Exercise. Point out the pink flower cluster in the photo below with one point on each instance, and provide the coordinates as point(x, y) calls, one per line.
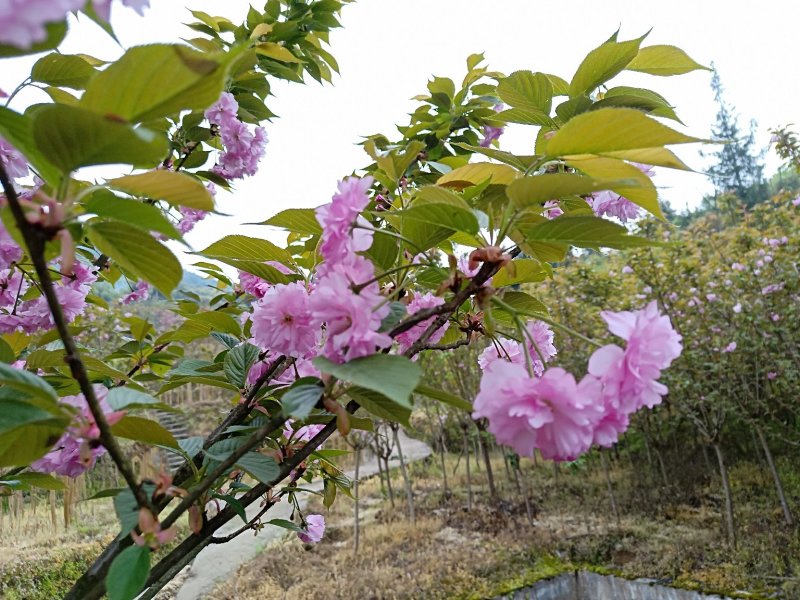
point(192, 216)
point(31, 315)
point(611, 204)
point(12, 160)
point(22, 22)
point(244, 147)
point(77, 450)
point(338, 315)
point(303, 434)
point(406, 339)
point(539, 339)
point(139, 293)
point(562, 417)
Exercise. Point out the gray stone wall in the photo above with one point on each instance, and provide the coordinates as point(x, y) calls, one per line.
point(585, 585)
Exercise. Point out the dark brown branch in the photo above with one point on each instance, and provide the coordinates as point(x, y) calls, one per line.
point(35, 239)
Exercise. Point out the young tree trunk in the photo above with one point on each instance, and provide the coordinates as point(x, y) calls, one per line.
point(380, 474)
point(662, 467)
point(406, 480)
point(726, 488)
point(388, 480)
point(487, 461)
point(477, 446)
point(355, 495)
point(612, 499)
point(469, 475)
point(787, 514)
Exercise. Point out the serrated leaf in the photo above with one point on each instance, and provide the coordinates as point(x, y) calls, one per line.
point(63, 70)
point(148, 217)
point(238, 361)
point(526, 90)
point(297, 220)
point(603, 63)
point(260, 467)
point(28, 383)
point(663, 60)
point(299, 401)
point(240, 247)
point(584, 232)
point(70, 137)
point(520, 270)
point(178, 189)
point(437, 205)
point(128, 573)
point(475, 173)
point(535, 191)
point(445, 397)
point(523, 303)
point(612, 130)
point(143, 430)
point(154, 81)
point(138, 252)
point(27, 431)
point(393, 376)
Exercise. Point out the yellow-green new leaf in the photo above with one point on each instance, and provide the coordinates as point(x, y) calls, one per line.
point(664, 60)
point(176, 188)
point(536, 190)
point(241, 247)
point(276, 52)
point(154, 81)
point(439, 206)
point(137, 252)
point(612, 130)
point(642, 192)
point(143, 430)
point(476, 173)
point(63, 70)
point(584, 232)
point(526, 90)
point(601, 64)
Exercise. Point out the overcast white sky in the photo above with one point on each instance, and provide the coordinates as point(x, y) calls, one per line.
point(388, 49)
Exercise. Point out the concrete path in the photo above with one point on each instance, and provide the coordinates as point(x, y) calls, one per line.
point(218, 562)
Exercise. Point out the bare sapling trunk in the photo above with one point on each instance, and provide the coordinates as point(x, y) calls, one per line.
point(787, 513)
point(611, 498)
point(487, 462)
point(389, 487)
point(442, 450)
point(726, 488)
point(469, 474)
point(356, 528)
point(406, 480)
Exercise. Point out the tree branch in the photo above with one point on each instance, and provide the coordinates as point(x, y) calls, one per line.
point(35, 239)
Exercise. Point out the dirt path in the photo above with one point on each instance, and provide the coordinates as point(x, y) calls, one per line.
point(216, 563)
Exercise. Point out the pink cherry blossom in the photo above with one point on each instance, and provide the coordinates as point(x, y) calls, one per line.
point(551, 209)
point(139, 293)
point(303, 434)
point(339, 236)
point(420, 302)
point(12, 160)
point(10, 252)
point(254, 285)
point(552, 413)
point(314, 529)
point(22, 22)
point(77, 451)
point(189, 218)
point(244, 147)
point(283, 322)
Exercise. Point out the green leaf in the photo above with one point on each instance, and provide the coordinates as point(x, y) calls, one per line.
point(217, 321)
point(39, 480)
point(300, 400)
point(297, 220)
point(475, 173)
point(534, 191)
point(28, 432)
point(56, 32)
point(664, 61)
point(7, 354)
point(28, 383)
point(525, 116)
point(601, 64)
point(643, 192)
point(379, 405)
point(238, 362)
point(445, 397)
point(127, 509)
point(241, 247)
point(178, 189)
point(276, 52)
point(437, 205)
point(154, 81)
point(393, 376)
point(658, 157)
point(137, 252)
point(520, 163)
point(70, 137)
point(124, 398)
point(611, 130)
point(105, 204)
point(286, 524)
point(260, 467)
point(526, 90)
point(646, 100)
point(234, 504)
point(584, 232)
point(18, 131)
point(143, 430)
point(63, 70)
point(128, 573)
point(523, 303)
point(520, 270)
